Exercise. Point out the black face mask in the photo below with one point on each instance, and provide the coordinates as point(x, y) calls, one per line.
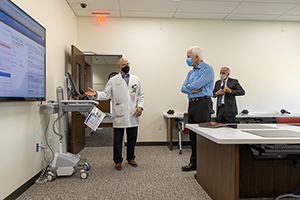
point(125, 69)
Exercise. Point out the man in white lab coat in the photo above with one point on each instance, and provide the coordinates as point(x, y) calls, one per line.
point(127, 95)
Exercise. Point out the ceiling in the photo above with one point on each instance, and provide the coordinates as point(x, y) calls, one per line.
point(268, 10)
point(97, 59)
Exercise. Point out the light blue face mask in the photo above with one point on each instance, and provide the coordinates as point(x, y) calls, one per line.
point(189, 62)
point(222, 77)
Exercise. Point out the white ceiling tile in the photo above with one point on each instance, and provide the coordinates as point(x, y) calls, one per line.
point(148, 5)
point(216, 0)
point(111, 59)
point(273, 1)
point(294, 11)
point(263, 8)
point(99, 60)
point(193, 9)
point(250, 17)
point(207, 6)
point(147, 14)
point(95, 4)
point(199, 16)
point(288, 18)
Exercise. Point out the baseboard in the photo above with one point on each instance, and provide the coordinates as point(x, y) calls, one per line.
point(158, 143)
point(182, 143)
point(150, 143)
point(23, 188)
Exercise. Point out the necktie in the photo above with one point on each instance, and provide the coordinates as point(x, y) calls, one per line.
point(126, 78)
point(221, 96)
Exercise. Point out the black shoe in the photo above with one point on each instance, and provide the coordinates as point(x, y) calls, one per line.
point(189, 167)
point(195, 176)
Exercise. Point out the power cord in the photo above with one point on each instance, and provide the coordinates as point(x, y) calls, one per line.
point(45, 155)
point(293, 195)
point(46, 130)
point(39, 181)
point(294, 165)
point(45, 135)
point(56, 122)
point(288, 195)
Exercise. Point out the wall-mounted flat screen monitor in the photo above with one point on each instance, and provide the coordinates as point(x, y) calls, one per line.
point(22, 55)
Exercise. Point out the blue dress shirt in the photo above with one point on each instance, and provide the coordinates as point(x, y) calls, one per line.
point(126, 77)
point(200, 77)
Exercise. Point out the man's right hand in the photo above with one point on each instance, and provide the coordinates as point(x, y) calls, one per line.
point(91, 92)
point(220, 92)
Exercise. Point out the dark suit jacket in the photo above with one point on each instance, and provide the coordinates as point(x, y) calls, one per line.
point(230, 101)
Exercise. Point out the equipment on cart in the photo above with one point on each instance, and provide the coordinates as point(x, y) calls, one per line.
point(65, 163)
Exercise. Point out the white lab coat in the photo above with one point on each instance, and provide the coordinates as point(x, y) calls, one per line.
point(124, 100)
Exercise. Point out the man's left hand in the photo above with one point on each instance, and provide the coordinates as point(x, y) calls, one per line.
point(138, 112)
point(195, 91)
point(227, 89)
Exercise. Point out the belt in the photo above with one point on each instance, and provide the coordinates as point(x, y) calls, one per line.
point(198, 98)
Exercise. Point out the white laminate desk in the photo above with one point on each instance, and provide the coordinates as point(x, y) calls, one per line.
point(227, 170)
point(265, 118)
point(226, 135)
point(170, 119)
point(262, 115)
point(254, 117)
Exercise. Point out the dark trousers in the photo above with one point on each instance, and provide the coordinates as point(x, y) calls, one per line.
point(198, 112)
point(118, 143)
point(222, 116)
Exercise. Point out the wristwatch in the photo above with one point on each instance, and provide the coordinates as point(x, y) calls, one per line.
point(95, 96)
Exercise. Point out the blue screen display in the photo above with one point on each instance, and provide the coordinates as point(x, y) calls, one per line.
point(22, 55)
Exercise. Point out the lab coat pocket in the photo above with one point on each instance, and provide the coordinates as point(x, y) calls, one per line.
point(136, 119)
point(119, 110)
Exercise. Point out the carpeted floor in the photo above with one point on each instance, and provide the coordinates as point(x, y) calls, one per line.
point(158, 176)
point(100, 138)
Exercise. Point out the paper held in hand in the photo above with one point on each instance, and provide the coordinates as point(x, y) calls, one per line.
point(94, 119)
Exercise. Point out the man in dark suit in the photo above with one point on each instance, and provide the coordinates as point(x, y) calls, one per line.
point(226, 89)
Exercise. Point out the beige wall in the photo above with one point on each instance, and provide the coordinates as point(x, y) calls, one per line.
point(23, 123)
point(100, 75)
point(264, 56)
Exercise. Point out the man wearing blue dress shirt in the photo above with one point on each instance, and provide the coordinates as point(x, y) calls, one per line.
point(198, 85)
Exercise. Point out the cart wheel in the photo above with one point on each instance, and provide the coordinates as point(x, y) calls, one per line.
point(51, 176)
point(86, 166)
point(84, 174)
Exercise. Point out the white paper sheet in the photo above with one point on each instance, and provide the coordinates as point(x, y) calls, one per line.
point(94, 119)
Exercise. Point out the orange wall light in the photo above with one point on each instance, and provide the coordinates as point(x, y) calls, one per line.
point(101, 18)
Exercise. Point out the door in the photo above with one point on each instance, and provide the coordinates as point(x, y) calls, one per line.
point(81, 74)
